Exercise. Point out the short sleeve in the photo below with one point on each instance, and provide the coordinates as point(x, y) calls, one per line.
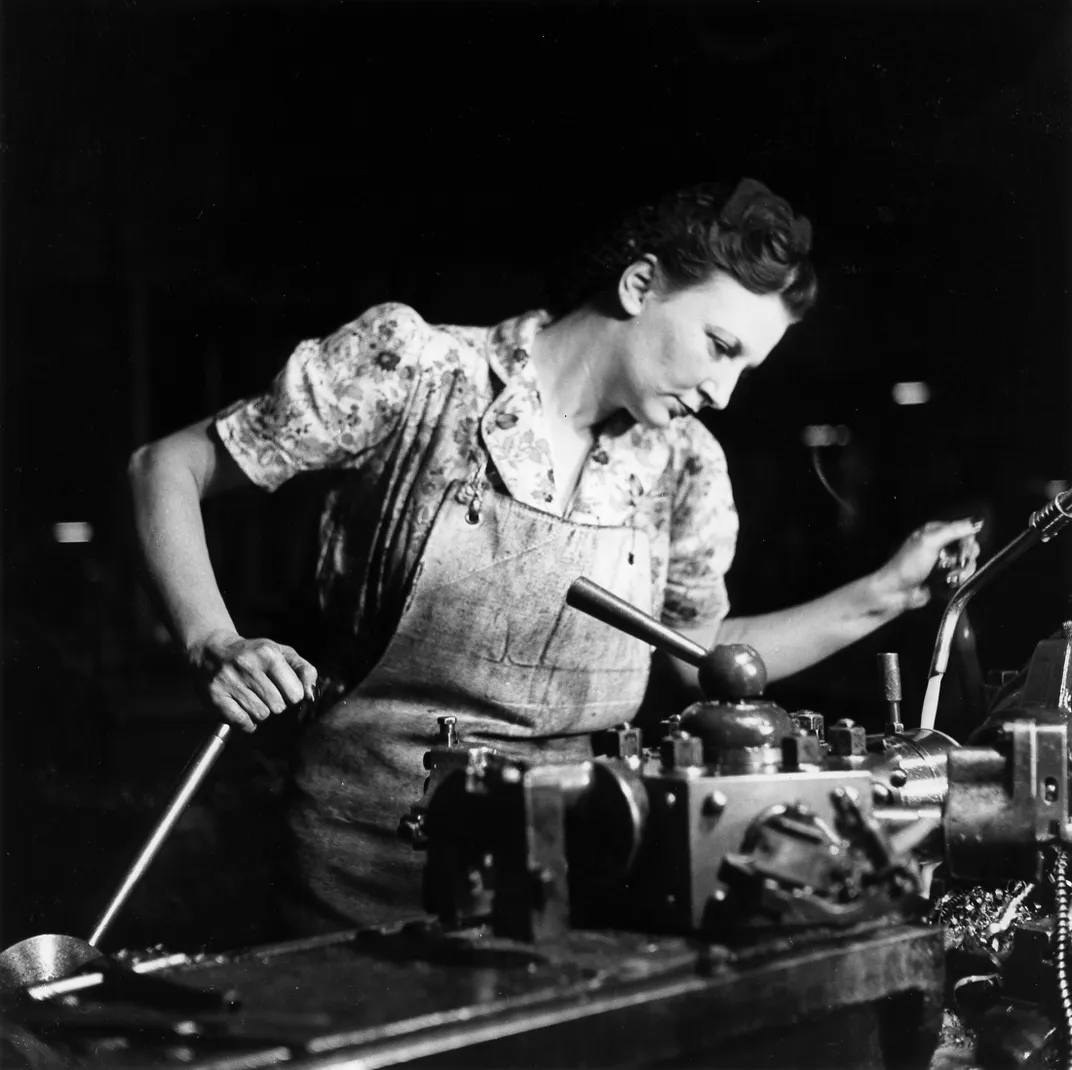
point(334, 400)
point(703, 534)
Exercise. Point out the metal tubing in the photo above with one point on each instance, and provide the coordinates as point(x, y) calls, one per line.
point(199, 767)
point(598, 602)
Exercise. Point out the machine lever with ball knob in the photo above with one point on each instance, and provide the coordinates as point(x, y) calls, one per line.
point(733, 672)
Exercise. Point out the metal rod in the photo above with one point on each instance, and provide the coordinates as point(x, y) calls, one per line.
point(899, 816)
point(199, 767)
point(598, 602)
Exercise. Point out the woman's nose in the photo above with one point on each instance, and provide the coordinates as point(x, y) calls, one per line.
point(717, 393)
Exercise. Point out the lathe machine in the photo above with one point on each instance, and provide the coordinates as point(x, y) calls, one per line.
point(750, 887)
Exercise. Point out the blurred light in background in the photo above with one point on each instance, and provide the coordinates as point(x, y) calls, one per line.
point(825, 435)
point(911, 393)
point(1055, 487)
point(73, 531)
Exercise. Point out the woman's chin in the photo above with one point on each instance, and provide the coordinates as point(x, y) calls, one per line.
point(656, 414)
point(656, 420)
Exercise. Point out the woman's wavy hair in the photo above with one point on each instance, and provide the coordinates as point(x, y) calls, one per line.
point(744, 230)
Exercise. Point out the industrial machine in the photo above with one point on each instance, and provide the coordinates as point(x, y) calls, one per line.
point(751, 886)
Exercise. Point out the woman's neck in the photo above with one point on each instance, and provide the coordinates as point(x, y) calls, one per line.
point(573, 361)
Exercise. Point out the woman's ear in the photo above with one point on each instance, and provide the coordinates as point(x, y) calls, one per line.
point(636, 284)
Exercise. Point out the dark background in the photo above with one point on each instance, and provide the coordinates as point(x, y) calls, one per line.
point(191, 188)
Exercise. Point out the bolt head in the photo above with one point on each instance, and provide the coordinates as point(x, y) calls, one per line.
point(801, 750)
point(679, 750)
point(847, 739)
point(810, 723)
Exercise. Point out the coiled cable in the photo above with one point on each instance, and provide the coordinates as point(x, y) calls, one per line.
point(1061, 952)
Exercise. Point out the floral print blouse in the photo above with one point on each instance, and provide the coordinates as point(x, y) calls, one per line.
point(409, 413)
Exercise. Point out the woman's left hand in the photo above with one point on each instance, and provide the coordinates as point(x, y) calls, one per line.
point(902, 581)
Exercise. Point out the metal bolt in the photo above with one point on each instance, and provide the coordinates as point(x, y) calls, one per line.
point(623, 741)
point(799, 751)
point(671, 724)
point(810, 723)
point(714, 804)
point(669, 799)
point(898, 778)
point(448, 734)
point(679, 750)
point(847, 738)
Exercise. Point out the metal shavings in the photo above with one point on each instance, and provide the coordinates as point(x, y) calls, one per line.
point(981, 917)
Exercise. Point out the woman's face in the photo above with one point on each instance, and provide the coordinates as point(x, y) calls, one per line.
point(686, 350)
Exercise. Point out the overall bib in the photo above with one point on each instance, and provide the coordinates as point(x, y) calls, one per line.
point(485, 635)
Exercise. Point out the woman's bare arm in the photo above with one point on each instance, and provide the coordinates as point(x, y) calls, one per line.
point(243, 680)
point(796, 638)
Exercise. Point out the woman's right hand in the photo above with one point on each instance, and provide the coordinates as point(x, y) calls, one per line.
point(246, 680)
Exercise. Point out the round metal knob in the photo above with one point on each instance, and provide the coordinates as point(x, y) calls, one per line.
point(732, 673)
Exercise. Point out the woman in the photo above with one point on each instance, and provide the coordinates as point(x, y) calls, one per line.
point(482, 471)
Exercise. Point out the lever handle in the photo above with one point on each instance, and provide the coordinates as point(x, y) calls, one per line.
point(598, 602)
point(203, 760)
point(890, 666)
point(734, 672)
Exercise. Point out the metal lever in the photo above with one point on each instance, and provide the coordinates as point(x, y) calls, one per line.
point(890, 666)
point(1041, 527)
point(734, 672)
point(203, 761)
point(598, 602)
